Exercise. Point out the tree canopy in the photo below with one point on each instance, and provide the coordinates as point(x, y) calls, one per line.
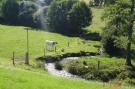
point(119, 28)
point(10, 11)
point(68, 16)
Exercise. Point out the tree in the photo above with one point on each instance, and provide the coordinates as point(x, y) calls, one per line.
point(68, 16)
point(48, 2)
point(26, 14)
point(130, 32)
point(119, 28)
point(79, 16)
point(10, 11)
point(108, 2)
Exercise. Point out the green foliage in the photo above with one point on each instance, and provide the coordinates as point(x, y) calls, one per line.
point(108, 2)
point(26, 15)
point(109, 68)
point(10, 11)
point(101, 2)
point(130, 81)
point(58, 66)
point(13, 38)
point(127, 74)
point(48, 2)
point(68, 16)
point(76, 68)
point(116, 29)
point(79, 16)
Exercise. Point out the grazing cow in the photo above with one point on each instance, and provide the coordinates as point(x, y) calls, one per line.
point(50, 44)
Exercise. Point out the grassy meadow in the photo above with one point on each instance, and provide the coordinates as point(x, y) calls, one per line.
point(14, 78)
point(13, 39)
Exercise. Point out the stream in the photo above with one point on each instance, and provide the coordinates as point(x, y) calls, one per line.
point(62, 73)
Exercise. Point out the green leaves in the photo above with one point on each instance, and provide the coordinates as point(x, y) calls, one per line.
point(10, 10)
point(118, 29)
point(68, 16)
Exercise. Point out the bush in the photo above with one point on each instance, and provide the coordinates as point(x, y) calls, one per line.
point(40, 64)
point(68, 16)
point(58, 66)
point(88, 70)
point(130, 81)
point(103, 75)
point(77, 68)
point(126, 74)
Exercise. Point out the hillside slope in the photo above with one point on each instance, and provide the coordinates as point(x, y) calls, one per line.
point(13, 78)
point(14, 38)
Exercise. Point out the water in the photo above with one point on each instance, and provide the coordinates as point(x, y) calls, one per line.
point(63, 73)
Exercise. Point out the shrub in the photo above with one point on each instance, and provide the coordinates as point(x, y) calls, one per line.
point(40, 64)
point(130, 81)
point(77, 68)
point(58, 66)
point(85, 63)
point(126, 74)
point(89, 70)
point(103, 75)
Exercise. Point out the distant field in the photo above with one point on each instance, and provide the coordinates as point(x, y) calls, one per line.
point(13, 78)
point(97, 23)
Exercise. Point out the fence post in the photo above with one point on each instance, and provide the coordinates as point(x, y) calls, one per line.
point(68, 44)
point(27, 58)
point(98, 66)
point(27, 53)
point(55, 48)
point(13, 59)
point(44, 51)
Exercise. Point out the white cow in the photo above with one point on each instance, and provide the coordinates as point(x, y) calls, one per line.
point(50, 44)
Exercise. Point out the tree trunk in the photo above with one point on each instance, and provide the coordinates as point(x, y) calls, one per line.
point(128, 56)
point(130, 31)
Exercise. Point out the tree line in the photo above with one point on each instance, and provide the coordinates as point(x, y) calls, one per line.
point(63, 16)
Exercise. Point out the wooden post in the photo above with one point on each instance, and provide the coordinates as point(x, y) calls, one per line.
point(13, 59)
point(98, 66)
point(27, 53)
point(44, 52)
point(68, 44)
point(27, 58)
point(55, 48)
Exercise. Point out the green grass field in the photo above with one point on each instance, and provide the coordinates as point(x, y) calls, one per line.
point(14, 78)
point(13, 38)
point(97, 23)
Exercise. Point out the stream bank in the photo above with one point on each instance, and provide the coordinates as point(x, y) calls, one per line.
point(50, 62)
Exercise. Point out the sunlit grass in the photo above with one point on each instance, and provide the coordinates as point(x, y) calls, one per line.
point(13, 78)
point(13, 38)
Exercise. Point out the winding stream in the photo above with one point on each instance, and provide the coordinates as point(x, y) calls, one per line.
point(62, 73)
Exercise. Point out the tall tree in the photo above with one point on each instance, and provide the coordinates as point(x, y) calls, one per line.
point(119, 28)
point(130, 32)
